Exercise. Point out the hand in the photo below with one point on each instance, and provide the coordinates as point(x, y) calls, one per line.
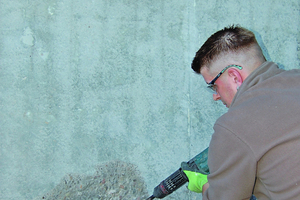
point(196, 179)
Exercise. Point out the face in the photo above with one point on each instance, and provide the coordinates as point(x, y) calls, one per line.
point(225, 85)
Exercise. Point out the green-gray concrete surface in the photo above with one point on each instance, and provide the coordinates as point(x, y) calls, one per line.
point(84, 82)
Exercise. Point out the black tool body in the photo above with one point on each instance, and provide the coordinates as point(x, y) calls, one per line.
point(178, 178)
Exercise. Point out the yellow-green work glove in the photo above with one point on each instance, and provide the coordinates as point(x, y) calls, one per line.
point(196, 180)
point(196, 171)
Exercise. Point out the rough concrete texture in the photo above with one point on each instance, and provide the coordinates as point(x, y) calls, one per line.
point(88, 82)
point(115, 180)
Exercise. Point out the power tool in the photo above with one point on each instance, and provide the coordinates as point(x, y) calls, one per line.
point(178, 178)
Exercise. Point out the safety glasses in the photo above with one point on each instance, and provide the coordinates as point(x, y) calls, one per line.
point(211, 85)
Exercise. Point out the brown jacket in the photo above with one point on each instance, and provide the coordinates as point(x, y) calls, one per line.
point(257, 142)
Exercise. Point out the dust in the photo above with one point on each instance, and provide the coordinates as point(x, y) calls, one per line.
point(115, 180)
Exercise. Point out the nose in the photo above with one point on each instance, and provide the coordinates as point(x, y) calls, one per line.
point(216, 97)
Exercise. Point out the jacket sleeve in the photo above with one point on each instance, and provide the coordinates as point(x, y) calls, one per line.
point(232, 167)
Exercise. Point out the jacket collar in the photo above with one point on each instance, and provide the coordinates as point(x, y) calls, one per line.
point(262, 73)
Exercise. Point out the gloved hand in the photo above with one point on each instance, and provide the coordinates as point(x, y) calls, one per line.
point(196, 179)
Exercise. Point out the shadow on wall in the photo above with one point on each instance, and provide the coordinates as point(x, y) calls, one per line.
point(264, 48)
point(113, 180)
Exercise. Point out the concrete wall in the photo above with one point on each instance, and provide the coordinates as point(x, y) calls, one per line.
point(87, 82)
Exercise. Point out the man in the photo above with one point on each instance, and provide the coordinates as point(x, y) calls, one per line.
point(255, 147)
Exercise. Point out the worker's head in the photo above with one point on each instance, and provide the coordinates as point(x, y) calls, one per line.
point(232, 52)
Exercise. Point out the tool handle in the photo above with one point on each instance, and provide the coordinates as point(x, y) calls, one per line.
point(178, 178)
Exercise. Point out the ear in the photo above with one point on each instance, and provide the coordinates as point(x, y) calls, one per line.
point(236, 76)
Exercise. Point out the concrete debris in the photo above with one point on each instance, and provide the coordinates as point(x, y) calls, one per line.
point(115, 180)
